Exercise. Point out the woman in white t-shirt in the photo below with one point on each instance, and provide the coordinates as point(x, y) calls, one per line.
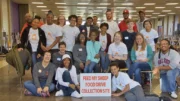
point(118, 50)
point(33, 38)
point(141, 56)
point(66, 77)
point(149, 34)
point(61, 21)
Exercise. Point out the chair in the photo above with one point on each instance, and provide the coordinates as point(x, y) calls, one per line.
point(150, 77)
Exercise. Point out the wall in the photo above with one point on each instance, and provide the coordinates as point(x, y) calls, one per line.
point(170, 24)
point(14, 17)
point(165, 25)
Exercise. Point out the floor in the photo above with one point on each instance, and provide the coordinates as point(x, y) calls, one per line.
point(11, 90)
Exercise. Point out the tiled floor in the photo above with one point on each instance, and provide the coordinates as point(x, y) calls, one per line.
point(11, 90)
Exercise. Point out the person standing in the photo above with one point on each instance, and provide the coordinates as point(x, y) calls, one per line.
point(141, 20)
point(61, 21)
point(95, 20)
point(79, 21)
point(28, 20)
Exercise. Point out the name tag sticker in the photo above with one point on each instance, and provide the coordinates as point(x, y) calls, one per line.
point(80, 49)
point(59, 59)
point(126, 38)
point(39, 71)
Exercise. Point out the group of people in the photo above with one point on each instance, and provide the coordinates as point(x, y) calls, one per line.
point(61, 52)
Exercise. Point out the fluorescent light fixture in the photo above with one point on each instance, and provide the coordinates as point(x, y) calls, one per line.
point(166, 10)
point(104, 3)
point(148, 15)
point(81, 7)
point(149, 4)
point(101, 7)
point(116, 11)
point(155, 13)
point(177, 7)
point(153, 17)
point(37, 3)
point(171, 3)
point(149, 10)
point(80, 10)
point(161, 15)
point(63, 10)
point(121, 7)
point(159, 7)
point(82, 3)
point(133, 15)
point(60, 3)
point(171, 13)
point(132, 11)
point(61, 7)
point(140, 7)
point(41, 6)
point(121, 18)
point(97, 11)
point(45, 10)
point(127, 4)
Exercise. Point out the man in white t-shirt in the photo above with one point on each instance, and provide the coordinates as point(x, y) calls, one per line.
point(113, 26)
point(130, 88)
point(52, 32)
point(70, 33)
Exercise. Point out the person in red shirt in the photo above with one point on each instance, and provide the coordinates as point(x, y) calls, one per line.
point(123, 24)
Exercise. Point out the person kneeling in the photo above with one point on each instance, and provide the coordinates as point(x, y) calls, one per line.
point(131, 89)
point(43, 73)
point(67, 79)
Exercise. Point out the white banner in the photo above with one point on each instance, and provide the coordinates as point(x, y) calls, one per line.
point(95, 84)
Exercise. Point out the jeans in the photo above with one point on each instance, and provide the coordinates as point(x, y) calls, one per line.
point(34, 60)
point(89, 68)
point(67, 78)
point(128, 61)
point(137, 94)
point(104, 59)
point(29, 85)
point(136, 69)
point(168, 80)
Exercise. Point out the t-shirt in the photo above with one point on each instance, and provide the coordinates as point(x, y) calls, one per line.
point(113, 28)
point(141, 54)
point(150, 36)
point(117, 50)
point(73, 75)
point(103, 41)
point(171, 59)
point(122, 80)
point(139, 24)
point(69, 36)
point(51, 32)
point(128, 39)
point(34, 39)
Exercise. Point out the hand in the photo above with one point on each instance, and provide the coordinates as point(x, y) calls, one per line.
point(72, 86)
point(81, 65)
point(78, 87)
point(39, 55)
point(88, 62)
point(39, 90)
point(46, 89)
point(115, 94)
point(48, 48)
point(117, 57)
point(155, 71)
point(145, 60)
point(97, 56)
point(20, 49)
point(43, 48)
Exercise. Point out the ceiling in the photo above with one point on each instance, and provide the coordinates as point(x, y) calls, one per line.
point(85, 8)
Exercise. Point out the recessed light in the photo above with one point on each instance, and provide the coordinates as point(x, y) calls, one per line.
point(159, 7)
point(161, 15)
point(132, 10)
point(82, 3)
point(149, 10)
point(104, 3)
point(171, 13)
point(155, 13)
point(166, 10)
point(37, 3)
point(60, 3)
point(101, 7)
point(149, 4)
point(81, 7)
point(140, 7)
point(127, 4)
point(41, 6)
point(45, 10)
point(177, 7)
point(121, 7)
point(61, 7)
point(171, 3)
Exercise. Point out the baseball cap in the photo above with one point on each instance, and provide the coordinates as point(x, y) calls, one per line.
point(66, 56)
point(125, 11)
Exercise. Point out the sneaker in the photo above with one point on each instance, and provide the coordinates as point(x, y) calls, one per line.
point(44, 94)
point(164, 98)
point(59, 93)
point(27, 93)
point(76, 94)
point(174, 95)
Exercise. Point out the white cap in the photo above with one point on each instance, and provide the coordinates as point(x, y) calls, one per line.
point(66, 56)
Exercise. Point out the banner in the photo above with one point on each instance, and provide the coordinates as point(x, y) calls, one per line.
point(95, 84)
